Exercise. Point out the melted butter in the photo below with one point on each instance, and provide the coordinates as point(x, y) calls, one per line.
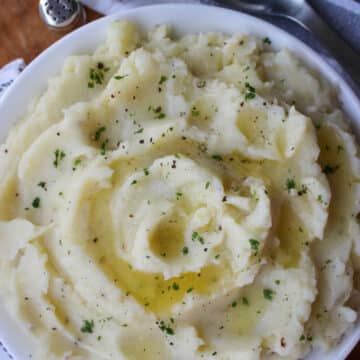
point(168, 238)
point(243, 318)
point(150, 290)
point(292, 235)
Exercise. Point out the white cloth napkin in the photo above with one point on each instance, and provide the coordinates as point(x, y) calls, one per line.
point(9, 72)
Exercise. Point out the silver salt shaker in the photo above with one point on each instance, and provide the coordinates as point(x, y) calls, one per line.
point(62, 14)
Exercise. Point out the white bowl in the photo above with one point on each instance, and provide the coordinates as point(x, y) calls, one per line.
point(185, 18)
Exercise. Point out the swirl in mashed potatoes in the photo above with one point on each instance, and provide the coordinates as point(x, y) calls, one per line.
point(191, 198)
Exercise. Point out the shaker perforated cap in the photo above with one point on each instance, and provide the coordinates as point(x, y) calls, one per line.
point(61, 14)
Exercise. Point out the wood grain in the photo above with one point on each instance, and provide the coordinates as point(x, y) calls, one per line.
point(23, 34)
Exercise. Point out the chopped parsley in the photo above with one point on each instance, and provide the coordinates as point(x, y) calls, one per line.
point(59, 156)
point(88, 326)
point(146, 171)
point(98, 133)
point(119, 77)
point(201, 84)
point(196, 237)
point(268, 294)
point(97, 75)
point(166, 328)
point(250, 92)
point(254, 244)
point(185, 250)
point(217, 157)
point(139, 131)
point(133, 182)
point(36, 203)
point(175, 286)
point(245, 301)
point(290, 184)
point(327, 170)
point(234, 304)
point(159, 114)
point(207, 184)
point(103, 147)
point(266, 40)
point(302, 337)
point(178, 195)
point(42, 184)
point(163, 78)
point(195, 113)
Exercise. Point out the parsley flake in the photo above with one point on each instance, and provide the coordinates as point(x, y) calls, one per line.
point(59, 155)
point(245, 301)
point(195, 236)
point(327, 170)
point(290, 184)
point(42, 184)
point(217, 157)
point(250, 92)
point(88, 326)
point(98, 133)
point(185, 250)
point(201, 84)
point(268, 294)
point(254, 244)
point(266, 40)
point(119, 77)
point(166, 328)
point(163, 78)
point(36, 203)
point(175, 286)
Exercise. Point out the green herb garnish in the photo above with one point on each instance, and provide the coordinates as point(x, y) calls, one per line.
point(290, 184)
point(250, 92)
point(98, 133)
point(59, 155)
point(163, 78)
point(166, 328)
point(119, 77)
point(268, 294)
point(36, 203)
point(217, 157)
point(330, 169)
point(195, 236)
point(254, 244)
point(245, 301)
point(88, 326)
point(185, 250)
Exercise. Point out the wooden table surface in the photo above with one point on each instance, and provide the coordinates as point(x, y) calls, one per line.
point(23, 34)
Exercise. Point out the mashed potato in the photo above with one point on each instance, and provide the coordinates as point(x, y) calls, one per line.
point(192, 198)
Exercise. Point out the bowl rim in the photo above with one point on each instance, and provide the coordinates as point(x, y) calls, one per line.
point(13, 107)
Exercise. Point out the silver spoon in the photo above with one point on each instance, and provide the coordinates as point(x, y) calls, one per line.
point(324, 40)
